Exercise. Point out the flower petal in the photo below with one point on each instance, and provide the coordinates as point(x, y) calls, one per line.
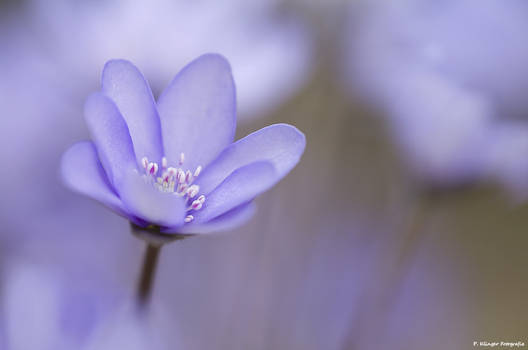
point(82, 172)
point(147, 203)
point(31, 305)
point(240, 187)
point(110, 135)
point(129, 90)
point(225, 222)
point(198, 111)
point(280, 144)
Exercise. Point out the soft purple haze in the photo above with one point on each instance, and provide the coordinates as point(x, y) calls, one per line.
point(43, 308)
point(270, 49)
point(451, 77)
point(315, 268)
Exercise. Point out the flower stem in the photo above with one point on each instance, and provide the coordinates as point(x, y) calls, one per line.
point(148, 273)
point(154, 239)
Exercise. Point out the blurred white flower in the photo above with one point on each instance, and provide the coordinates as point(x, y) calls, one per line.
point(41, 309)
point(451, 76)
point(269, 51)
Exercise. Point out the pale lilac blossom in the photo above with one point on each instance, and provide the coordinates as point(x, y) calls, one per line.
point(172, 163)
point(42, 309)
point(451, 77)
point(270, 50)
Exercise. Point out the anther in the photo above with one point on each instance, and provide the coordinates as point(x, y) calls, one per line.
point(172, 171)
point(188, 218)
point(196, 205)
point(192, 191)
point(201, 199)
point(152, 168)
point(164, 163)
point(198, 171)
point(188, 177)
point(180, 176)
point(182, 158)
point(182, 188)
point(144, 162)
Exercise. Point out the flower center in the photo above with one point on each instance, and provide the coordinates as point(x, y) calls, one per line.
point(176, 181)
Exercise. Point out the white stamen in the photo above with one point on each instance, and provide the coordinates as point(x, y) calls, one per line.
point(188, 177)
point(152, 168)
point(180, 176)
point(196, 205)
point(182, 188)
point(192, 191)
point(144, 162)
point(176, 181)
point(198, 171)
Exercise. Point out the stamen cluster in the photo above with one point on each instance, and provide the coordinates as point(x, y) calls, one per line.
point(175, 181)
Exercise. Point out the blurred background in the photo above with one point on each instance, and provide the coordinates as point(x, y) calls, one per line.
point(403, 226)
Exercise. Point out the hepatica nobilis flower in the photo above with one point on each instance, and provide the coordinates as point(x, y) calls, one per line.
point(172, 164)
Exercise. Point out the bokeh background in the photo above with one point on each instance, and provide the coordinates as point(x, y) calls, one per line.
point(403, 227)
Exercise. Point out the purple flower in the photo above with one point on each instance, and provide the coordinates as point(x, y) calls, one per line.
point(436, 70)
point(43, 308)
point(159, 36)
point(172, 163)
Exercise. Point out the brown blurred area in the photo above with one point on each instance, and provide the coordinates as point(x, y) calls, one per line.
point(352, 193)
point(353, 176)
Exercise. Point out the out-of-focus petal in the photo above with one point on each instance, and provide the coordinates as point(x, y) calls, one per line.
point(83, 173)
point(280, 144)
point(126, 328)
point(240, 187)
point(436, 70)
point(31, 316)
point(225, 222)
point(127, 87)
point(507, 156)
point(111, 138)
point(198, 111)
point(151, 205)
point(441, 126)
